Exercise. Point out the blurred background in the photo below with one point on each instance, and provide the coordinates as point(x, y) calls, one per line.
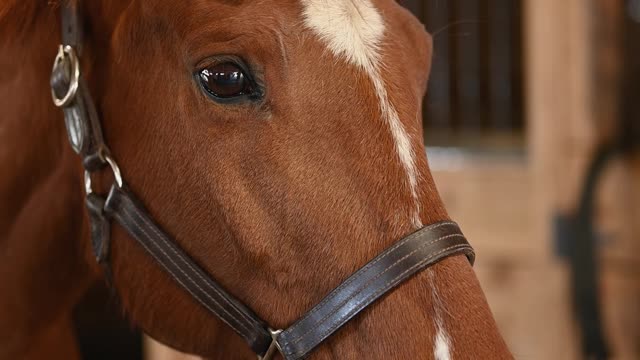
point(532, 129)
point(531, 124)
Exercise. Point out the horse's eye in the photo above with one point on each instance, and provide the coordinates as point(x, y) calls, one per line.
point(225, 80)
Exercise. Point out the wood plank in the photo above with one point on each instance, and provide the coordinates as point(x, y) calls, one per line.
point(504, 227)
point(530, 304)
point(621, 303)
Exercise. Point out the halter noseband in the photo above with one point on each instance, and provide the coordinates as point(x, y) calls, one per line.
point(396, 264)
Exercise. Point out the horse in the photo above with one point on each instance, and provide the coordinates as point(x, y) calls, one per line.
point(279, 142)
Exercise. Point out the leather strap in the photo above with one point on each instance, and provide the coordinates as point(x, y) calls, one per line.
point(122, 206)
point(81, 117)
point(100, 227)
point(407, 257)
point(394, 266)
point(71, 25)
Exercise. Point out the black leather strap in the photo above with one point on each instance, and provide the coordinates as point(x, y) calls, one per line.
point(81, 117)
point(71, 24)
point(131, 215)
point(407, 257)
point(100, 227)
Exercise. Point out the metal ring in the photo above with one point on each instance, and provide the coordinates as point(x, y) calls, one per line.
point(67, 52)
point(115, 169)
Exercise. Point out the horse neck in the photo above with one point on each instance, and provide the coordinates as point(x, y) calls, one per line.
point(41, 222)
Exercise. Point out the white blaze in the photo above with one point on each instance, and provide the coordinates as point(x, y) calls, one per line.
point(442, 342)
point(354, 30)
point(441, 347)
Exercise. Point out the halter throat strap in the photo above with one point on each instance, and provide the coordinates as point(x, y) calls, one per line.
point(381, 275)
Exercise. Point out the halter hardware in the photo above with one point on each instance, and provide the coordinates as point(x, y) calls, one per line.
point(396, 264)
point(274, 348)
point(68, 60)
point(115, 170)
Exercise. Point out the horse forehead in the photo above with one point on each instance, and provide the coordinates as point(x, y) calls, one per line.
point(353, 29)
point(350, 28)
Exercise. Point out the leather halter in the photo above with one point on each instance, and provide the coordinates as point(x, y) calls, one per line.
point(396, 264)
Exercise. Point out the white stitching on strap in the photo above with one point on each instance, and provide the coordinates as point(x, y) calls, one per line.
point(363, 270)
point(160, 235)
point(134, 221)
point(364, 286)
point(389, 284)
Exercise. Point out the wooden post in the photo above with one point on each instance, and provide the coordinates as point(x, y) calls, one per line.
point(573, 62)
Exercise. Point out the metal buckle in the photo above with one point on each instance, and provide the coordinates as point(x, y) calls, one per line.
point(114, 169)
point(67, 53)
point(274, 348)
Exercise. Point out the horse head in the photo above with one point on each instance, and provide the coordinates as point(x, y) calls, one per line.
point(280, 144)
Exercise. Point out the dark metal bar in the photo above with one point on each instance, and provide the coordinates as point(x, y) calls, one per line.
point(467, 63)
point(438, 101)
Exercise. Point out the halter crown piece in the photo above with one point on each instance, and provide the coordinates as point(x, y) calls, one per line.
point(396, 264)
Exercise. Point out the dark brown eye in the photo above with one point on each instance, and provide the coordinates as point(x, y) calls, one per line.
point(225, 80)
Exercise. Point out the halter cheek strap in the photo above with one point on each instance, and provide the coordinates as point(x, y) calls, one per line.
point(381, 275)
point(389, 269)
point(122, 206)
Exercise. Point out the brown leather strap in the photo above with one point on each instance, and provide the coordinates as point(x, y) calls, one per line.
point(397, 264)
point(131, 215)
point(407, 257)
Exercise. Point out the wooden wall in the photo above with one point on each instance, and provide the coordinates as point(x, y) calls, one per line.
point(507, 206)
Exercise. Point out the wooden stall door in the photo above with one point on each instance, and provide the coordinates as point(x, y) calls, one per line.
point(507, 204)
